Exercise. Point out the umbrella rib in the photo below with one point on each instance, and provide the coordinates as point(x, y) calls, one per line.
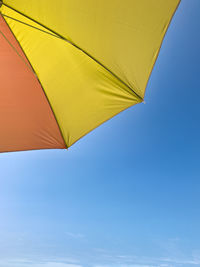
point(27, 24)
point(57, 35)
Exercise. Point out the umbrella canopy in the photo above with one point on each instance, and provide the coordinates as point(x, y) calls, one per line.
point(67, 66)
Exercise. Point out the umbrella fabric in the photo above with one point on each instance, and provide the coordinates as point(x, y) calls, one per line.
point(67, 66)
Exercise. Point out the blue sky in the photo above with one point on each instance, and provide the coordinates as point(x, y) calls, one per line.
point(128, 193)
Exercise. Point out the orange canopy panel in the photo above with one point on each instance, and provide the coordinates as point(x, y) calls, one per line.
point(67, 66)
point(26, 119)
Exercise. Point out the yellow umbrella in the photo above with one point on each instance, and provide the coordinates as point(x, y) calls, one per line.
point(67, 66)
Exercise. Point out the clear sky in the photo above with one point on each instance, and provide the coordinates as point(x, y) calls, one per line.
point(128, 193)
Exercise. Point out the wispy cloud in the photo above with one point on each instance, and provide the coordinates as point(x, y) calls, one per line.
point(132, 265)
point(75, 235)
point(53, 264)
point(182, 261)
point(112, 261)
point(133, 261)
point(28, 263)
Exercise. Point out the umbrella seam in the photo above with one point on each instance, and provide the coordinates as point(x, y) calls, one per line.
point(76, 46)
point(16, 51)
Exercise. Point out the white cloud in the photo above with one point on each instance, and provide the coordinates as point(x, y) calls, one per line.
point(183, 262)
point(113, 261)
point(129, 265)
point(74, 235)
point(54, 264)
point(28, 263)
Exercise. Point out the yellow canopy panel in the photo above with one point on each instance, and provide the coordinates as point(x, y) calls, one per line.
point(92, 58)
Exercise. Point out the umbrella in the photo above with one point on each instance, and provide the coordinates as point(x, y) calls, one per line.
point(67, 66)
